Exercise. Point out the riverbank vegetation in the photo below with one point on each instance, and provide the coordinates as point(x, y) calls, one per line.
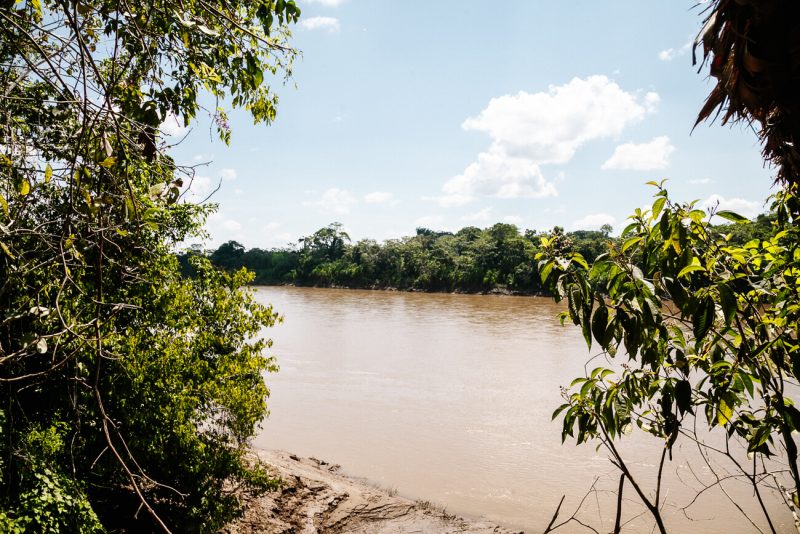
point(129, 392)
point(500, 258)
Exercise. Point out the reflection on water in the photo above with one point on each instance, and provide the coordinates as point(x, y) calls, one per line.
point(448, 398)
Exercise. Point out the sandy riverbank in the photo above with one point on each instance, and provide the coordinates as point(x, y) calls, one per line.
point(316, 497)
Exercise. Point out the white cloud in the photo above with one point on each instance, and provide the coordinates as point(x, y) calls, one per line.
point(593, 221)
point(651, 101)
point(746, 208)
point(377, 197)
point(227, 174)
point(223, 227)
point(529, 130)
point(321, 23)
point(326, 3)
point(480, 216)
point(701, 181)
point(231, 225)
point(334, 200)
point(548, 127)
point(272, 225)
point(671, 53)
point(428, 221)
point(238, 191)
point(513, 219)
point(499, 175)
point(172, 126)
point(641, 157)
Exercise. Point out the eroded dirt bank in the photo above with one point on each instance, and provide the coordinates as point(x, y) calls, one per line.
point(316, 497)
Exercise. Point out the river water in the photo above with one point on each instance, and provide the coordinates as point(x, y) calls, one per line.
point(448, 398)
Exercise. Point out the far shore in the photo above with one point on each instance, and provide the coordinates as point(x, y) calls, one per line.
point(316, 497)
point(495, 291)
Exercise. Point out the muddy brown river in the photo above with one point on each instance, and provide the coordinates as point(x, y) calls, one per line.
point(448, 398)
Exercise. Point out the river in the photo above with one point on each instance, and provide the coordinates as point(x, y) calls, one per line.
point(448, 398)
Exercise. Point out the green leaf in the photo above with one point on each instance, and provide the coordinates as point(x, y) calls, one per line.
point(599, 324)
point(630, 242)
point(110, 161)
point(658, 205)
point(727, 301)
point(545, 271)
point(48, 173)
point(690, 269)
point(697, 215)
point(683, 396)
point(588, 385)
point(577, 381)
point(733, 217)
point(577, 258)
point(725, 408)
point(703, 318)
point(559, 410)
point(24, 187)
point(4, 204)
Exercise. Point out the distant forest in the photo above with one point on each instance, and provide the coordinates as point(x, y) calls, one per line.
point(497, 259)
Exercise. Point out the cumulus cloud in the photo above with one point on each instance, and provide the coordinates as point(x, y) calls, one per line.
point(593, 221)
point(227, 174)
point(377, 197)
point(497, 174)
point(548, 127)
point(671, 53)
point(223, 227)
point(746, 208)
point(172, 126)
point(513, 219)
point(528, 130)
point(641, 157)
point(334, 200)
point(321, 23)
point(651, 101)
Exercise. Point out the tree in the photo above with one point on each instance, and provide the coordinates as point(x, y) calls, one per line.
point(129, 391)
point(228, 255)
point(706, 324)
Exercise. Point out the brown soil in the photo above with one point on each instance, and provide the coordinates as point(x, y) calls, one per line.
point(316, 497)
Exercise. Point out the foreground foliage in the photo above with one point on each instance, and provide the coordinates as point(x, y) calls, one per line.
point(129, 392)
point(704, 328)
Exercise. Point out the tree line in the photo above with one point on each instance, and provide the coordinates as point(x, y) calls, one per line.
point(499, 258)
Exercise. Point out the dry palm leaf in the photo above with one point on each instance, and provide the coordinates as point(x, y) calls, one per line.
point(753, 50)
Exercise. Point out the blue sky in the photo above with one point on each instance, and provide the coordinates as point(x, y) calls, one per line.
point(453, 113)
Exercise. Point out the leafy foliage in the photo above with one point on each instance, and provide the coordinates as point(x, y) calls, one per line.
point(706, 328)
point(129, 391)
